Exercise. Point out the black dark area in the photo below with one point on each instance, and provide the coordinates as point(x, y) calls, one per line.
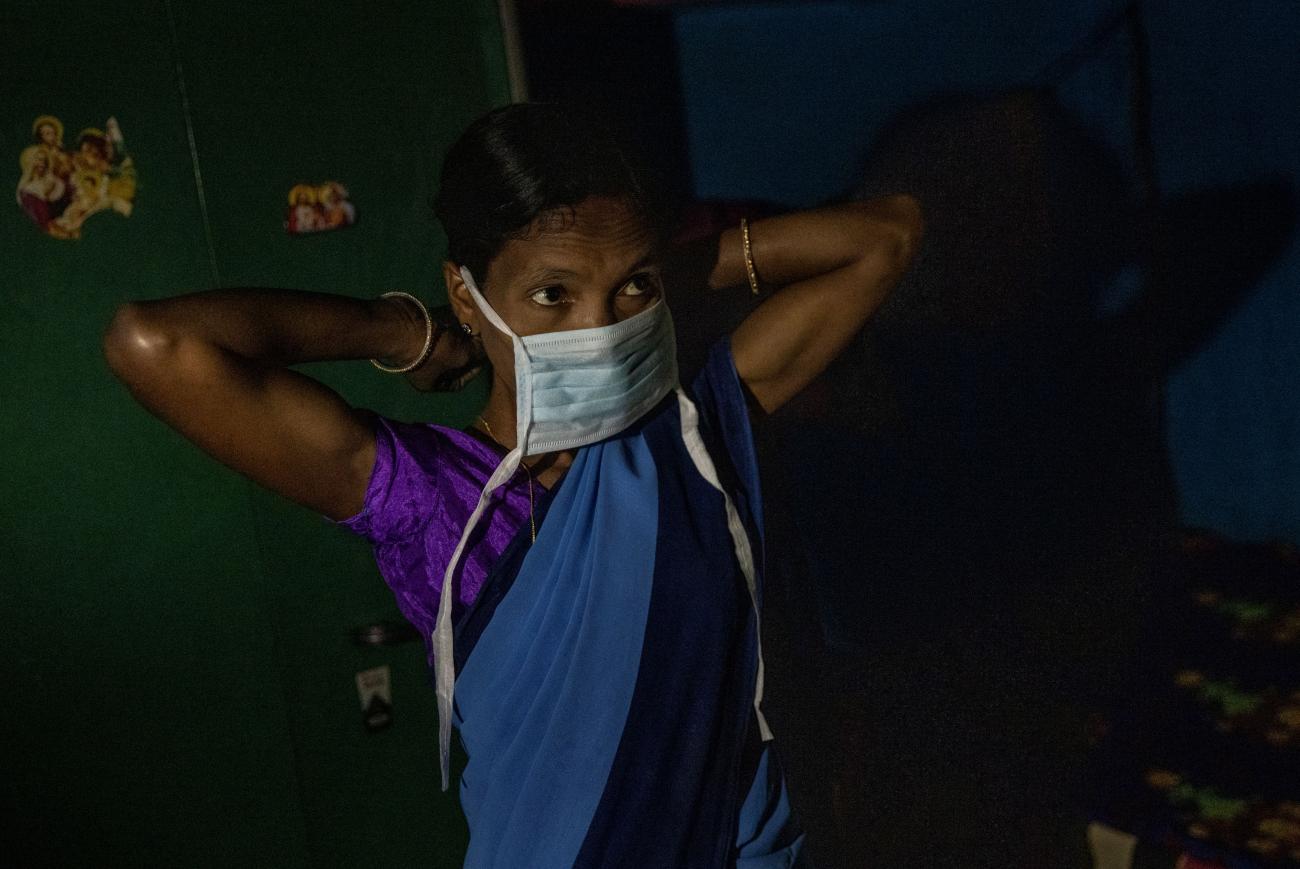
point(620, 63)
point(980, 489)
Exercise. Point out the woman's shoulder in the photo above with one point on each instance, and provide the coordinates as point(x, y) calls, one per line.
point(717, 389)
point(727, 411)
point(417, 464)
point(428, 443)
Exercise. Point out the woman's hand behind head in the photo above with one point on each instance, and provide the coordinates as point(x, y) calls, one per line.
point(455, 360)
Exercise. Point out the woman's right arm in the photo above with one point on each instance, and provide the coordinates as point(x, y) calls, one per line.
point(214, 366)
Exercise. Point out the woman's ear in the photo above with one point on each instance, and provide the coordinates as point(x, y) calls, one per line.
point(462, 303)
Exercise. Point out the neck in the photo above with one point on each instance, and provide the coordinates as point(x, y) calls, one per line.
point(499, 415)
point(545, 468)
point(501, 421)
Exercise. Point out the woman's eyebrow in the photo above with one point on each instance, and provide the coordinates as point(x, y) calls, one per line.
point(650, 256)
point(547, 273)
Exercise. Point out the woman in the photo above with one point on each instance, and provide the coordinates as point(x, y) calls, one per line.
point(39, 189)
point(585, 560)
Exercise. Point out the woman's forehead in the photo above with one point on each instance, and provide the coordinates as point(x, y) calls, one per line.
point(594, 239)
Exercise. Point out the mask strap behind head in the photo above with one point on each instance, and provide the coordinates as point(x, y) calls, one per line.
point(524, 392)
point(493, 317)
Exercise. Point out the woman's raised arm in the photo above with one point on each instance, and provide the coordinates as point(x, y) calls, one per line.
point(833, 267)
point(214, 366)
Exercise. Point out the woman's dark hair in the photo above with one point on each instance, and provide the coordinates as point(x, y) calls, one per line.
point(524, 160)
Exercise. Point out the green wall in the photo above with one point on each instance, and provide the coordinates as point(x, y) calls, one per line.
point(178, 675)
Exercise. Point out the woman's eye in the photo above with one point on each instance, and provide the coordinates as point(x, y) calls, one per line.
point(641, 285)
point(548, 296)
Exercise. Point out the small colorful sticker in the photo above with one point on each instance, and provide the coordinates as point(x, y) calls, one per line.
point(59, 189)
point(318, 208)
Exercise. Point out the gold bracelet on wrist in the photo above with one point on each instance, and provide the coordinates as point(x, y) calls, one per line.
point(749, 256)
point(428, 337)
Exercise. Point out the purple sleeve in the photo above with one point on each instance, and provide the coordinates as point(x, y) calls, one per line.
point(424, 484)
point(400, 500)
point(403, 483)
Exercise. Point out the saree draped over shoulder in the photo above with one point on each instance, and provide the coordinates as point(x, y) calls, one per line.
point(606, 673)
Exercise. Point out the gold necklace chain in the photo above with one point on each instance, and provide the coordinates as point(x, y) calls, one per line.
point(532, 515)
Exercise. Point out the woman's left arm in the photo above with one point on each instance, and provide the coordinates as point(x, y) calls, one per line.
point(834, 266)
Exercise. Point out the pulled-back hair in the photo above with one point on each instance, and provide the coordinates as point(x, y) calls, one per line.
point(522, 161)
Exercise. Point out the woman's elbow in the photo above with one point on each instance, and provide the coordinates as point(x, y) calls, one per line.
point(895, 226)
point(133, 342)
point(906, 220)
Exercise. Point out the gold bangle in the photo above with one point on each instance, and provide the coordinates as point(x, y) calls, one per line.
point(749, 256)
point(428, 337)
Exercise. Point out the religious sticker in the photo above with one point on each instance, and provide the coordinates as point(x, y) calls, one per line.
point(318, 208)
point(60, 187)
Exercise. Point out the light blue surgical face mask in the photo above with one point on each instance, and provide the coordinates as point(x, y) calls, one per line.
point(580, 386)
point(575, 388)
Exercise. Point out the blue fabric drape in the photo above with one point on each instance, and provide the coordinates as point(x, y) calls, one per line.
point(605, 698)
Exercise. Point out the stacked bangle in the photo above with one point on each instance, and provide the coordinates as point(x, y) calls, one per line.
point(749, 256)
point(429, 334)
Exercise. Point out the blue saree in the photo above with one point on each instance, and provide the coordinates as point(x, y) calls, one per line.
point(606, 673)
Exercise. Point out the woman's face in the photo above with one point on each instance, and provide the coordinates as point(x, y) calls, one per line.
point(593, 266)
point(48, 134)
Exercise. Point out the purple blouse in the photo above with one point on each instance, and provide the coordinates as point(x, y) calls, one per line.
point(425, 483)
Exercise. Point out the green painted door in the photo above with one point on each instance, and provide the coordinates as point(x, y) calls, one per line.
point(178, 672)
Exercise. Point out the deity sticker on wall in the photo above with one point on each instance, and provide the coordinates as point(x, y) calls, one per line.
point(60, 188)
point(318, 208)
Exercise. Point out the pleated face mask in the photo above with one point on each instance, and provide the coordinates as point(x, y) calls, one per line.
point(577, 387)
